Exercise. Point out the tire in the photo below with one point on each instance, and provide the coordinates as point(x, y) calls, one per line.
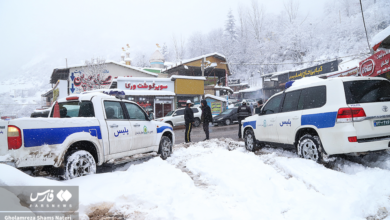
point(165, 149)
point(79, 163)
point(310, 147)
point(170, 123)
point(228, 121)
point(197, 122)
point(250, 140)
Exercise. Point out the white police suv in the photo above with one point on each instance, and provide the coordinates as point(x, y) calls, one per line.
point(325, 117)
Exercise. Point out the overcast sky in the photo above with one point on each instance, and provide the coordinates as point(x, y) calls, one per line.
point(34, 30)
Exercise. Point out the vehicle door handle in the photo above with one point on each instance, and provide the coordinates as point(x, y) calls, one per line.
point(136, 125)
point(295, 118)
point(272, 120)
point(114, 126)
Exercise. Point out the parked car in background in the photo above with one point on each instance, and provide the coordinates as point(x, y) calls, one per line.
point(226, 117)
point(176, 118)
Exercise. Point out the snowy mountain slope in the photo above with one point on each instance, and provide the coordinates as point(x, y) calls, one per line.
point(219, 179)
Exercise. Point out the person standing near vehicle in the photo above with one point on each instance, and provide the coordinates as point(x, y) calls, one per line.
point(259, 106)
point(243, 112)
point(189, 120)
point(207, 117)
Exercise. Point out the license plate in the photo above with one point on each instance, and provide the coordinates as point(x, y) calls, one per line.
point(378, 123)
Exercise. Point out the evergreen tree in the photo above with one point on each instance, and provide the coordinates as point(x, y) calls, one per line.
point(230, 27)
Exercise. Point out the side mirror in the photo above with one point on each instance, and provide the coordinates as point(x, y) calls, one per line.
point(174, 114)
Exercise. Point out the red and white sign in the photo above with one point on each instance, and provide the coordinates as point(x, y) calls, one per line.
point(149, 86)
point(376, 64)
point(146, 85)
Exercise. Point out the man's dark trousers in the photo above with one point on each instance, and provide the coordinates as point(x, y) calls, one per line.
point(239, 128)
point(206, 129)
point(187, 135)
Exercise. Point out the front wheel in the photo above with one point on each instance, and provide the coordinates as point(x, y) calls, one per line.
point(228, 121)
point(79, 163)
point(197, 122)
point(250, 140)
point(165, 149)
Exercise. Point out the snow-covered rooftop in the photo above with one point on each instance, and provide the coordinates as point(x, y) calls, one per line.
point(252, 89)
point(194, 59)
point(187, 77)
point(215, 97)
point(114, 62)
point(378, 38)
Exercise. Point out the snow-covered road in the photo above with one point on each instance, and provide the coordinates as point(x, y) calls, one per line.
point(219, 179)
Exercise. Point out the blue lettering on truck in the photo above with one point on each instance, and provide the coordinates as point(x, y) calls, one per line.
point(42, 136)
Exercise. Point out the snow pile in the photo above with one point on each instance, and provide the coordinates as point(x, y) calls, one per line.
point(219, 179)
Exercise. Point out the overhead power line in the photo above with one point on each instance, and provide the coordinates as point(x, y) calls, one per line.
point(361, 7)
point(314, 61)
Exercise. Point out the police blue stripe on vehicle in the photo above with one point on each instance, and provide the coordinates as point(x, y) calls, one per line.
point(250, 123)
point(320, 120)
point(39, 137)
point(161, 129)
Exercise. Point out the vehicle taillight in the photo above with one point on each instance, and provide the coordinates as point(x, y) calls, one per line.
point(352, 139)
point(14, 137)
point(350, 114)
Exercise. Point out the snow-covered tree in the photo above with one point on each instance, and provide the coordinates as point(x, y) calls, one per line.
point(94, 74)
point(230, 27)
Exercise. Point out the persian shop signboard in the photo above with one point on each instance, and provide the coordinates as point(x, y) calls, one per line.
point(376, 64)
point(152, 84)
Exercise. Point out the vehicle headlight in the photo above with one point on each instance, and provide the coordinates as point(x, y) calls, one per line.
point(219, 119)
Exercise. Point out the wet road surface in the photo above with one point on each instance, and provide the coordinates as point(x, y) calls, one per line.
point(198, 134)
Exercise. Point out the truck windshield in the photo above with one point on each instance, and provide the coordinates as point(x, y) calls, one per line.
point(366, 91)
point(75, 109)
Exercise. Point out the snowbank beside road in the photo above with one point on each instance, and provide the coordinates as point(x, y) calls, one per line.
point(217, 179)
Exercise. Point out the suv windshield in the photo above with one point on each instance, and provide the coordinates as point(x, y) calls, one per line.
point(169, 113)
point(366, 91)
point(75, 109)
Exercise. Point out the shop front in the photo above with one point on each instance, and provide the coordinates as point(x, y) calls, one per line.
point(376, 65)
point(188, 88)
point(153, 94)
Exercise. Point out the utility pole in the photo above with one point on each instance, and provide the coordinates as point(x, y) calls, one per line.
point(202, 66)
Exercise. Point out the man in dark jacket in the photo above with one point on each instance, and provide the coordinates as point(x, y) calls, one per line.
point(243, 112)
point(207, 117)
point(189, 120)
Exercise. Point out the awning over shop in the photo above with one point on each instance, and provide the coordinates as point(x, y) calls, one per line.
point(381, 40)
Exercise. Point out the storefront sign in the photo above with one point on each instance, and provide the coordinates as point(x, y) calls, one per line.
point(216, 107)
point(350, 72)
point(149, 86)
point(146, 85)
point(234, 81)
point(314, 71)
point(376, 64)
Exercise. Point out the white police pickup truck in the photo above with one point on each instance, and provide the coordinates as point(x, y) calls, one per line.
point(92, 129)
point(325, 117)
